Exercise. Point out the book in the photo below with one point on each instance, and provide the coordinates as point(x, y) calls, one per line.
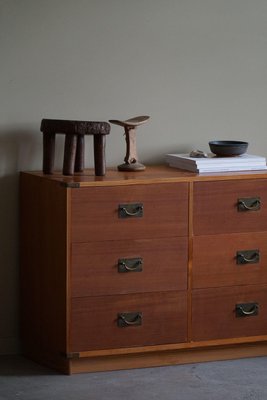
point(212, 163)
point(225, 168)
point(219, 165)
point(214, 160)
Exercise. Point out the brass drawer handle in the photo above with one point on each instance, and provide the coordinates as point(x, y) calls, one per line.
point(249, 204)
point(246, 309)
point(129, 319)
point(130, 264)
point(248, 257)
point(131, 210)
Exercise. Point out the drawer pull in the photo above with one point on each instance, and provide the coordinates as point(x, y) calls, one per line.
point(131, 210)
point(129, 319)
point(246, 309)
point(130, 265)
point(247, 257)
point(249, 204)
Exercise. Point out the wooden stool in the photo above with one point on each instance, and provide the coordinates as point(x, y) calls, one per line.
point(74, 144)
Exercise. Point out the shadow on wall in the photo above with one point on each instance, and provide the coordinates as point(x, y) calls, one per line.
point(19, 150)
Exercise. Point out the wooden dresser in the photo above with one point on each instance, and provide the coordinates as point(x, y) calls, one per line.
point(142, 269)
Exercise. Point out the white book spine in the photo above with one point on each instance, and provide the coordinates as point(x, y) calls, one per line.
point(221, 169)
point(246, 158)
point(244, 164)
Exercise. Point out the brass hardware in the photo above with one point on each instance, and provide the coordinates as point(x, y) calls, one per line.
point(131, 210)
point(246, 309)
point(72, 185)
point(130, 265)
point(247, 257)
point(70, 356)
point(249, 204)
point(129, 319)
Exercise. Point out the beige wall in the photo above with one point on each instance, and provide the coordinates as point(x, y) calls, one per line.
point(197, 67)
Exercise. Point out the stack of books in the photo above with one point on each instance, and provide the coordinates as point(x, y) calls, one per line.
point(212, 163)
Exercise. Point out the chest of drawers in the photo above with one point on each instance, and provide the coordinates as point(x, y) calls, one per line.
point(142, 269)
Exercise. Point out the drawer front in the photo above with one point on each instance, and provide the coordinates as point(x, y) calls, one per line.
point(121, 267)
point(127, 320)
point(227, 260)
point(129, 212)
point(229, 312)
point(228, 207)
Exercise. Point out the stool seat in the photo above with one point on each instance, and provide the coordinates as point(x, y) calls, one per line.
point(74, 132)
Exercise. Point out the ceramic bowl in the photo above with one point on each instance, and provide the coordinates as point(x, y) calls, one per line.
point(228, 148)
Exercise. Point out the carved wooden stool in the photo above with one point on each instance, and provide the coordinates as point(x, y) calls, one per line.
point(74, 144)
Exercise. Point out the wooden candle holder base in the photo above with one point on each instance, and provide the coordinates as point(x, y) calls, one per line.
point(131, 167)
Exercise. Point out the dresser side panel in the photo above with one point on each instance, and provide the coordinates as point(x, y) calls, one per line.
point(43, 272)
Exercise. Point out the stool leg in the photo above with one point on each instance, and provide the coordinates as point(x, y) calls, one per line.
point(79, 159)
point(69, 154)
point(99, 154)
point(49, 140)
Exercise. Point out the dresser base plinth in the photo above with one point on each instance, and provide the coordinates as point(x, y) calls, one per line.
point(170, 357)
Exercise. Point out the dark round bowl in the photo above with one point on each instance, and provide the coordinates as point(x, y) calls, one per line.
point(228, 148)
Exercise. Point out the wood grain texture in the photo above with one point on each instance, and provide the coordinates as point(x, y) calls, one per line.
point(43, 255)
point(94, 266)
point(215, 207)
point(73, 154)
point(75, 127)
point(70, 297)
point(152, 174)
point(95, 212)
point(174, 346)
point(174, 357)
point(94, 320)
point(213, 312)
point(215, 263)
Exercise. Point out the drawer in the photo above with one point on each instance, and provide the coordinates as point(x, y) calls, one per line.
point(228, 260)
point(121, 267)
point(233, 312)
point(127, 320)
point(217, 204)
point(129, 212)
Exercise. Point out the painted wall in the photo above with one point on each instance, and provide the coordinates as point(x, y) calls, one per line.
point(197, 67)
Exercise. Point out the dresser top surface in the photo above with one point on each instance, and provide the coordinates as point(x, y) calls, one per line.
point(152, 174)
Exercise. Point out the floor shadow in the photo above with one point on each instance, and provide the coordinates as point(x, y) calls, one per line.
point(19, 366)
point(19, 150)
